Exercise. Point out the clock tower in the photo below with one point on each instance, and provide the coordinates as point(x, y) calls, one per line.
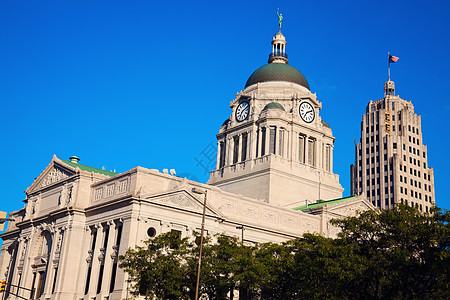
point(275, 147)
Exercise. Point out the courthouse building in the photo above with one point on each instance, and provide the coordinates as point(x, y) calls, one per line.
point(273, 181)
point(391, 158)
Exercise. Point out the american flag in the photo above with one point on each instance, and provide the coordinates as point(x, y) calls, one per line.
point(393, 59)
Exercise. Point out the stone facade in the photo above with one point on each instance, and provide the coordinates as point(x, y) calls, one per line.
point(73, 228)
point(391, 158)
point(274, 156)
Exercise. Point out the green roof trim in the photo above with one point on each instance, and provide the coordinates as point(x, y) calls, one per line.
point(329, 202)
point(89, 169)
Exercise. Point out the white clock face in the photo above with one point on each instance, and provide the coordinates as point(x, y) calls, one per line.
point(307, 112)
point(242, 111)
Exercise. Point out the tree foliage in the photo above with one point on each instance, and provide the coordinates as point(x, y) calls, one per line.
point(396, 254)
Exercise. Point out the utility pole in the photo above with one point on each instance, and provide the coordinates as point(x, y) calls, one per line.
point(201, 192)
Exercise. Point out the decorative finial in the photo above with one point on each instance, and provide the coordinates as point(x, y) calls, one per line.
point(280, 19)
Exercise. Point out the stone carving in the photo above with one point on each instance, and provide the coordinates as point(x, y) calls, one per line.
point(250, 212)
point(351, 209)
point(230, 206)
point(180, 200)
point(290, 221)
point(24, 249)
point(62, 195)
point(90, 255)
point(115, 252)
point(32, 206)
point(54, 176)
point(309, 226)
point(271, 216)
point(59, 242)
point(69, 195)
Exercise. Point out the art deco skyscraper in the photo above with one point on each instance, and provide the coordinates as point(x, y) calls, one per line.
point(390, 158)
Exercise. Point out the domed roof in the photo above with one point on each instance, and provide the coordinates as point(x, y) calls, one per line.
point(274, 105)
point(325, 124)
point(277, 72)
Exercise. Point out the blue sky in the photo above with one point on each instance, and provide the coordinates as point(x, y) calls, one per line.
point(148, 83)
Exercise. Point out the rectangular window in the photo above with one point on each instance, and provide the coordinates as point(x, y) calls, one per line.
point(244, 147)
point(272, 138)
point(235, 149)
point(263, 141)
point(311, 152)
point(222, 154)
point(257, 142)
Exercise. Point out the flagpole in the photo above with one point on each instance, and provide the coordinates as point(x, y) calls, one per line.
point(389, 68)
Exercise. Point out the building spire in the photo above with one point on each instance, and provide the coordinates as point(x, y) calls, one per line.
point(389, 88)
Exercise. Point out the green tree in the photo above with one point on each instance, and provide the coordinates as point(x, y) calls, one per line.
point(395, 254)
point(158, 270)
point(218, 266)
point(276, 268)
point(406, 251)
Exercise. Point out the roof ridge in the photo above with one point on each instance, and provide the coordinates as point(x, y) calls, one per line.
point(89, 168)
point(322, 203)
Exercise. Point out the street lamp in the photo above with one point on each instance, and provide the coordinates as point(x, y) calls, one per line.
point(200, 192)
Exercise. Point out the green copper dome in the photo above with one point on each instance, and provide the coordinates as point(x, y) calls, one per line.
point(274, 105)
point(277, 72)
point(325, 124)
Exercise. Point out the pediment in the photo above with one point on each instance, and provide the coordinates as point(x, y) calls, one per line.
point(185, 201)
point(55, 172)
point(351, 207)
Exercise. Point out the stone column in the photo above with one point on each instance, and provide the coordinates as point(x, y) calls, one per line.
point(266, 150)
point(318, 152)
point(252, 143)
point(286, 144)
point(96, 262)
point(218, 155)
point(74, 251)
point(229, 151)
point(50, 271)
point(129, 240)
point(108, 260)
point(306, 150)
point(331, 159)
point(57, 257)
